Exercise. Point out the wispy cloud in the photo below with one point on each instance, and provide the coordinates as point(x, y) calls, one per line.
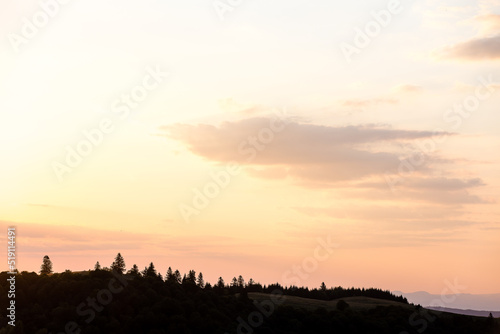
point(362, 103)
point(408, 88)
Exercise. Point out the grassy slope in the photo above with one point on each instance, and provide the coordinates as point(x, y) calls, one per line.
point(357, 303)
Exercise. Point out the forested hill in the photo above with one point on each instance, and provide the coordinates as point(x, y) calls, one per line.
point(103, 301)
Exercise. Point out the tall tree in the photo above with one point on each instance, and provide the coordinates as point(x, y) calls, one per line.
point(251, 282)
point(134, 270)
point(192, 277)
point(200, 281)
point(323, 286)
point(234, 282)
point(241, 282)
point(170, 274)
point(97, 266)
point(151, 271)
point(46, 267)
point(220, 283)
point(119, 264)
point(177, 276)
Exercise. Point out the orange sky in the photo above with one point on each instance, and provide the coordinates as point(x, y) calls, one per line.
point(239, 142)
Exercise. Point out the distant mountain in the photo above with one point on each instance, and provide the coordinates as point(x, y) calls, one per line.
point(464, 302)
point(466, 312)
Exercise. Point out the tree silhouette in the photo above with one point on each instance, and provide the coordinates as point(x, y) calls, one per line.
point(199, 281)
point(97, 266)
point(323, 286)
point(241, 282)
point(150, 271)
point(170, 275)
point(220, 283)
point(251, 282)
point(134, 270)
point(177, 276)
point(191, 277)
point(46, 267)
point(234, 282)
point(119, 264)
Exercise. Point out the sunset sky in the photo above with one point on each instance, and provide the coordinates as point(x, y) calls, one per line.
point(371, 125)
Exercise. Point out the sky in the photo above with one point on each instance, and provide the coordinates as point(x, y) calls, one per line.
point(287, 141)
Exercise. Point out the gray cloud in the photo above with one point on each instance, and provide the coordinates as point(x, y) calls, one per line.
point(474, 49)
point(304, 151)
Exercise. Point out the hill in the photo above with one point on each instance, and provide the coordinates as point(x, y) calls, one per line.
point(110, 302)
point(357, 303)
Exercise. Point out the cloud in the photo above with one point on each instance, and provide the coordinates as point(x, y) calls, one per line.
point(464, 88)
point(41, 205)
point(488, 6)
point(306, 152)
point(375, 234)
point(490, 23)
point(40, 239)
point(231, 106)
point(382, 213)
point(362, 103)
point(353, 159)
point(447, 191)
point(408, 88)
point(475, 49)
point(444, 184)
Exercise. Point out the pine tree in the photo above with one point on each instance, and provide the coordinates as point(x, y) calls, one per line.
point(46, 267)
point(192, 277)
point(251, 282)
point(177, 277)
point(220, 283)
point(134, 270)
point(151, 271)
point(323, 286)
point(119, 264)
point(234, 282)
point(170, 274)
point(200, 281)
point(97, 266)
point(241, 282)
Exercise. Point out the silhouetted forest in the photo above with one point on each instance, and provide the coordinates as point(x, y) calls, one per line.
point(111, 301)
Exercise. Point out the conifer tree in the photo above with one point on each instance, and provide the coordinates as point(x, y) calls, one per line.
point(177, 277)
point(134, 270)
point(241, 282)
point(46, 267)
point(234, 282)
point(200, 281)
point(119, 264)
point(170, 274)
point(220, 283)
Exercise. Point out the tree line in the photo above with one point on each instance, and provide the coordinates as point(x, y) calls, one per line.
point(115, 300)
point(237, 284)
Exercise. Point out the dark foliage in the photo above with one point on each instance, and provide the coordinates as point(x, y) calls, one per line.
point(102, 301)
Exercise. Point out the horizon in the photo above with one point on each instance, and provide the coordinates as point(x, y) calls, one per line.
point(354, 144)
